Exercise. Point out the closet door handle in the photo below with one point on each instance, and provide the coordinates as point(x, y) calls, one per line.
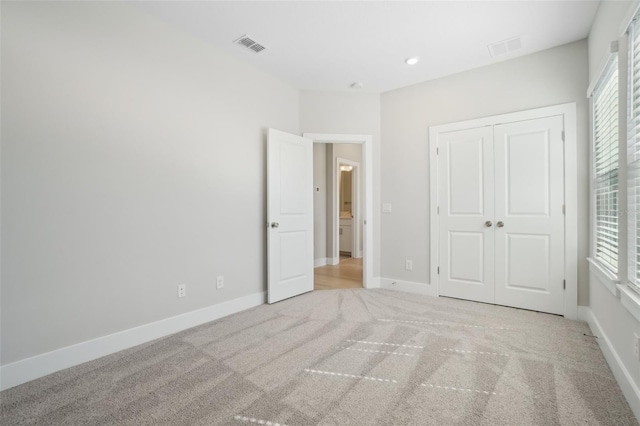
point(488, 224)
point(500, 224)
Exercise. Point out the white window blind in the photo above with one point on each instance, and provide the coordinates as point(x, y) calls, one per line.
point(605, 167)
point(633, 154)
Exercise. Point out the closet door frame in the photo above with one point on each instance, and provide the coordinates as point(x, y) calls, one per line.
point(568, 112)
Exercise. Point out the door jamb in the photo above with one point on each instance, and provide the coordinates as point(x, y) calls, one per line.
point(568, 112)
point(367, 214)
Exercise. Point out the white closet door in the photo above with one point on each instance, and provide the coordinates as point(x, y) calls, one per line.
point(466, 204)
point(529, 230)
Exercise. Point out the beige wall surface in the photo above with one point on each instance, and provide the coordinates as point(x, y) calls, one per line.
point(550, 77)
point(133, 160)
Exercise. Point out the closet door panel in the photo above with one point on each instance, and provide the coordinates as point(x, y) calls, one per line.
point(529, 197)
point(466, 204)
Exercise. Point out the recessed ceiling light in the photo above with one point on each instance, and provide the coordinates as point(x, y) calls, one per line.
point(356, 85)
point(412, 61)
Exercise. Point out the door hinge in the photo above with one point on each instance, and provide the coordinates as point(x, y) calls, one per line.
point(438, 209)
point(564, 284)
point(438, 270)
point(564, 209)
point(563, 136)
point(437, 151)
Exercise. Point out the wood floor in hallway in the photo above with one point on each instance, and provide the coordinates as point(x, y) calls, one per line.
point(346, 274)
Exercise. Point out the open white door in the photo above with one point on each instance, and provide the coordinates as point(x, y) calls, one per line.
point(289, 215)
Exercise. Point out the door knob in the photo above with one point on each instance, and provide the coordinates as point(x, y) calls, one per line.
point(488, 224)
point(500, 224)
point(274, 224)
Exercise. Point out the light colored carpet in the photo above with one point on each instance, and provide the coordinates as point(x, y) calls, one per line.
point(343, 357)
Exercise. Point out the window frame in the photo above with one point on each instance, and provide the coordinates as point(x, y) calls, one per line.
point(608, 75)
point(632, 162)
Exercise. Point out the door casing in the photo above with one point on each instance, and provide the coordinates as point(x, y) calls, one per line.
point(568, 112)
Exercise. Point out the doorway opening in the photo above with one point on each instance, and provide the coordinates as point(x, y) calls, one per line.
point(342, 205)
point(337, 165)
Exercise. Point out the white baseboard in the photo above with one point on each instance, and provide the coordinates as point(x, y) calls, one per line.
point(584, 314)
point(620, 372)
point(333, 260)
point(373, 282)
point(319, 262)
point(409, 287)
point(38, 366)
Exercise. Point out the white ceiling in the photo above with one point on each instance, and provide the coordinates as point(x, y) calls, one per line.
point(327, 45)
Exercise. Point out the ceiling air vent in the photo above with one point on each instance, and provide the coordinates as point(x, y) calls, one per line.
point(250, 44)
point(505, 46)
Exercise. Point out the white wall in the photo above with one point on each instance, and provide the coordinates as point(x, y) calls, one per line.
point(604, 30)
point(609, 319)
point(347, 113)
point(133, 159)
point(551, 77)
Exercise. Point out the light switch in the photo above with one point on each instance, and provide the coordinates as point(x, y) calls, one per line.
point(386, 208)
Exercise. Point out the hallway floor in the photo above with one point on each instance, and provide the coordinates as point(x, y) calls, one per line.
point(346, 274)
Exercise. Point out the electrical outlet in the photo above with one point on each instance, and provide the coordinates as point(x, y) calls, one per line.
point(219, 282)
point(408, 264)
point(182, 290)
point(636, 346)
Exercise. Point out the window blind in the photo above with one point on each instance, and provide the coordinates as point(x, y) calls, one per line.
point(605, 166)
point(633, 155)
